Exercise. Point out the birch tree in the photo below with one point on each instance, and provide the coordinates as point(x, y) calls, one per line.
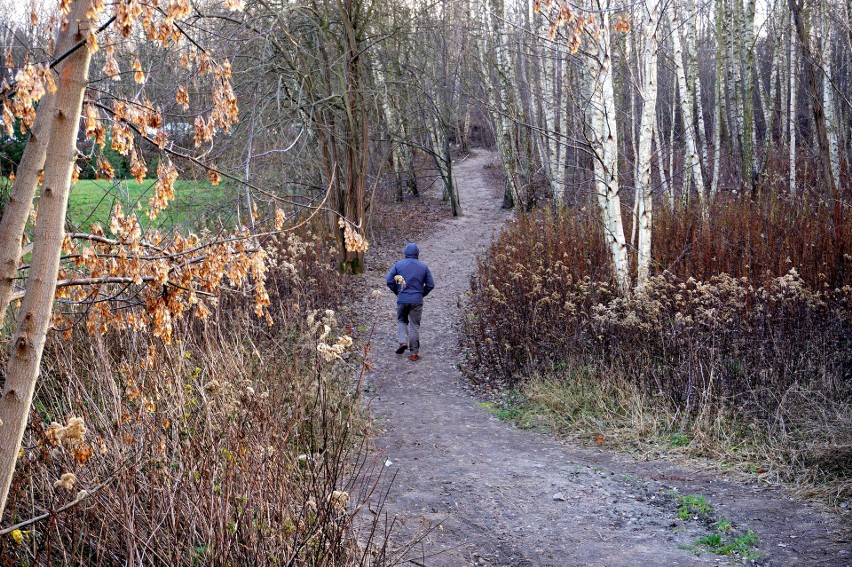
point(593, 31)
point(828, 96)
point(692, 158)
point(719, 98)
point(793, 72)
point(644, 198)
point(744, 45)
point(603, 142)
point(498, 75)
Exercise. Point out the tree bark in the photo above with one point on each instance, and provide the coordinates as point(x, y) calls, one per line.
point(394, 127)
point(357, 134)
point(745, 51)
point(793, 108)
point(28, 341)
point(719, 101)
point(501, 108)
point(828, 97)
point(17, 210)
point(646, 130)
point(693, 163)
point(605, 147)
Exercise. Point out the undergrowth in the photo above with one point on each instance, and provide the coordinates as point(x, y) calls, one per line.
point(238, 443)
point(739, 348)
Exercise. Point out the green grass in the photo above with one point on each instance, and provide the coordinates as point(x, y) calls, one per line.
point(197, 203)
point(724, 537)
point(501, 412)
point(693, 505)
point(678, 440)
point(512, 411)
point(742, 545)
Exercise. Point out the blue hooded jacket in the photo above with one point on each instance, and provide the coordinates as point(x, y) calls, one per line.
point(418, 278)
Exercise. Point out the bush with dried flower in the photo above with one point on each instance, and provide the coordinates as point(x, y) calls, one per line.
point(747, 321)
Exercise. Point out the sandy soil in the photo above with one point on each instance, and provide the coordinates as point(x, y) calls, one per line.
point(469, 489)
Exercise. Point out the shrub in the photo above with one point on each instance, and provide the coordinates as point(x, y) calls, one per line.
point(748, 320)
point(544, 289)
point(237, 443)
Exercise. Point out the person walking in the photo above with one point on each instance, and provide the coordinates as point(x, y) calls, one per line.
point(410, 280)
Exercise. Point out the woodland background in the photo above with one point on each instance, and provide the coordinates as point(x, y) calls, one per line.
point(679, 271)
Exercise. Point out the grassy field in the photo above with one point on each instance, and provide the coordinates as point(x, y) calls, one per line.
point(196, 202)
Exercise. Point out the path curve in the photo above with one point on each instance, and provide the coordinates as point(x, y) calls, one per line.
point(477, 491)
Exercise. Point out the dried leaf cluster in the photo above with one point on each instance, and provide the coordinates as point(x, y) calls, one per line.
point(122, 278)
point(561, 15)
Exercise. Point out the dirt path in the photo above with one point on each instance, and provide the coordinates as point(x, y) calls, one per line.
point(477, 491)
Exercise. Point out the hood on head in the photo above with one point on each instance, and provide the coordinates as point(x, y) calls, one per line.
point(411, 250)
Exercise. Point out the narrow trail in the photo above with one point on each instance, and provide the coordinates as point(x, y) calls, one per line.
point(473, 490)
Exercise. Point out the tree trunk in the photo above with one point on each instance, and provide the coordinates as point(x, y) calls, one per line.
point(661, 167)
point(444, 163)
point(17, 209)
point(394, 128)
point(507, 101)
point(694, 77)
point(745, 52)
point(793, 109)
point(646, 131)
point(719, 101)
point(357, 134)
point(769, 108)
point(29, 338)
point(692, 165)
point(247, 167)
point(488, 48)
point(828, 97)
point(605, 148)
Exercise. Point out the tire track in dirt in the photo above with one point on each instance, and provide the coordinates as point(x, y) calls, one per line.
point(471, 490)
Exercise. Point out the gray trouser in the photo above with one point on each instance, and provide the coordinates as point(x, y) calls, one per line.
point(408, 325)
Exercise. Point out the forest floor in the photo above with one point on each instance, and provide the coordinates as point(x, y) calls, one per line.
point(469, 489)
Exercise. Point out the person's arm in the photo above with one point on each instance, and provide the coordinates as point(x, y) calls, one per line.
point(392, 285)
point(428, 283)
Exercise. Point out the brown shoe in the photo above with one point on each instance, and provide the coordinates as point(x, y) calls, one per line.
point(414, 357)
point(401, 348)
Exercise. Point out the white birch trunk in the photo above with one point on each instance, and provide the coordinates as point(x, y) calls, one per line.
point(564, 126)
point(828, 99)
point(551, 121)
point(444, 163)
point(605, 147)
point(549, 108)
point(692, 161)
point(734, 34)
point(719, 99)
point(646, 130)
point(694, 77)
point(770, 108)
point(793, 109)
point(750, 133)
point(500, 95)
point(672, 112)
